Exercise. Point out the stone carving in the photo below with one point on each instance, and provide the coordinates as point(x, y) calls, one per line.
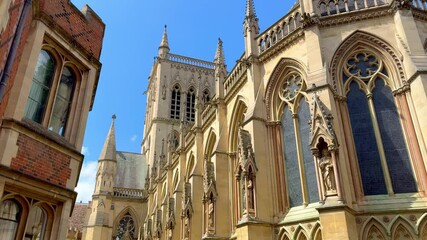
point(404, 4)
point(246, 173)
point(327, 169)
point(210, 194)
point(187, 210)
point(159, 224)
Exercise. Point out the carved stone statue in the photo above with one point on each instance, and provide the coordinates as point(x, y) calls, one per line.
point(250, 194)
point(186, 227)
point(327, 169)
point(211, 211)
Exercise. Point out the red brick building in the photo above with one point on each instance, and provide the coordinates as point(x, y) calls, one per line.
point(49, 71)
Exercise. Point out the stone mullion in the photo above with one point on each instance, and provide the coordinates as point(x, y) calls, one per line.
point(412, 143)
point(351, 151)
point(383, 159)
point(276, 132)
point(300, 160)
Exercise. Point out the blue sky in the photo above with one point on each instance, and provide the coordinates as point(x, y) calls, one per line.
point(133, 33)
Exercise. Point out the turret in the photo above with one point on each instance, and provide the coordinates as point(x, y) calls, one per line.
point(250, 29)
point(220, 69)
point(107, 163)
point(164, 44)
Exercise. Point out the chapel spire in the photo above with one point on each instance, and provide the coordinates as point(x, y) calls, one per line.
point(164, 44)
point(109, 150)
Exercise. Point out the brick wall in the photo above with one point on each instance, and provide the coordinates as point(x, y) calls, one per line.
point(5, 42)
point(84, 28)
point(41, 161)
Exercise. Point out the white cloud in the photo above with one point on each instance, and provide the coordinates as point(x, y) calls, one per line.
point(86, 183)
point(133, 138)
point(85, 151)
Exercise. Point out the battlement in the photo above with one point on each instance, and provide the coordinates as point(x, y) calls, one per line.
point(83, 27)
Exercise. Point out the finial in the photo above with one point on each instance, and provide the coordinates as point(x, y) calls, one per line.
point(250, 10)
point(164, 43)
point(114, 117)
point(219, 55)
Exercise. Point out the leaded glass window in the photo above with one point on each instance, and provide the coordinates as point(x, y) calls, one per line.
point(126, 228)
point(63, 100)
point(36, 224)
point(295, 132)
point(175, 103)
point(377, 132)
point(190, 110)
point(9, 219)
point(40, 88)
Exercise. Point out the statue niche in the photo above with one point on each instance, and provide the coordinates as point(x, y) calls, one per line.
point(326, 167)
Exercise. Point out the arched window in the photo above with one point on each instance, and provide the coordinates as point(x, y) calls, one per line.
point(62, 103)
point(299, 164)
point(36, 224)
point(190, 110)
point(175, 102)
point(9, 218)
point(381, 149)
point(206, 96)
point(39, 92)
point(51, 94)
point(126, 228)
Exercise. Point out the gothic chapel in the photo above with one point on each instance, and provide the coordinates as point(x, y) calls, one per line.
point(318, 132)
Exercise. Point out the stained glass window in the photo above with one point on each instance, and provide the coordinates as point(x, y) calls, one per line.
point(126, 228)
point(365, 79)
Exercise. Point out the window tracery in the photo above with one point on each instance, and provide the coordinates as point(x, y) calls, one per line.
point(126, 228)
point(300, 170)
point(384, 164)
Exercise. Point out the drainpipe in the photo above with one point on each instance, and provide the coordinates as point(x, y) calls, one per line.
point(5, 74)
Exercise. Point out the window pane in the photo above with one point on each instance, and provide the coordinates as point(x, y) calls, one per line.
point(39, 92)
point(396, 152)
point(9, 218)
point(63, 99)
point(310, 171)
point(365, 142)
point(293, 179)
point(36, 224)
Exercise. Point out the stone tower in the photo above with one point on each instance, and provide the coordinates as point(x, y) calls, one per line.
point(100, 221)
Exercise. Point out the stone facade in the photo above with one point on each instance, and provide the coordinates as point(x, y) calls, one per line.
point(317, 132)
point(48, 77)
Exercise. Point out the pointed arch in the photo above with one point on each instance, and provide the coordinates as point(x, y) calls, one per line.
point(175, 105)
point(316, 232)
point(175, 181)
point(190, 167)
point(363, 40)
point(373, 229)
point(238, 114)
point(300, 233)
point(400, 227)
point(422, 226)
point(23, 208)
point(284, 235)
point(210, 143)
point(126, 221)
point(273, 103)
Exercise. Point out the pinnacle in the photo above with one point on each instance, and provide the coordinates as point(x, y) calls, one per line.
point(109, 150)
point(250, 10)
point(164, 43)
point(219, 56)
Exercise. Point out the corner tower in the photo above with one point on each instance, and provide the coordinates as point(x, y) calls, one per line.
point(100, 221)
